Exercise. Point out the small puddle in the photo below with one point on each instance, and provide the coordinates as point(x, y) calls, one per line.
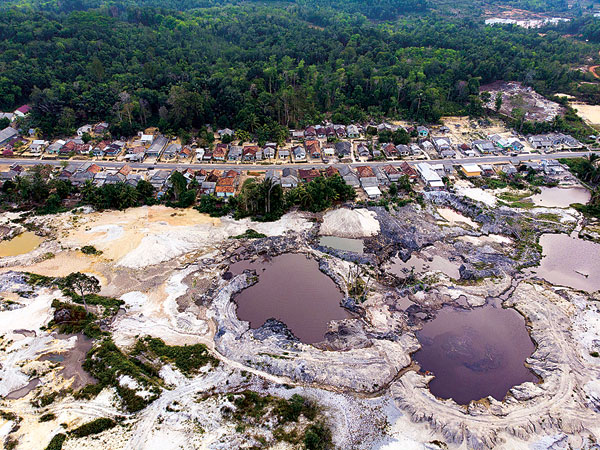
point(454, 217)
point(344, 244)
point(292, 289)
point(569, 261)
point(422, 264)
point(556, 197)
point(475, 353)
point(72, 361)
point(22, 392)
point(21, 244)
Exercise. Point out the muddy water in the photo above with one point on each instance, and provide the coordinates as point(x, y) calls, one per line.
point(21, 244)
point(291, 289)
point(72, 361)
point(569, 261)
point(20, 393)
point(476, 353)
point(456, 218)
point(421, 263)
point(344, 244)
point(556, 197)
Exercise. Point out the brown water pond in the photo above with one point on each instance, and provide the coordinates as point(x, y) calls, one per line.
point(555, 197)
point(344, 244)
point(569, 261)
point(292, 289)
point(21, 244)
point(72, 361)
point(475, 353)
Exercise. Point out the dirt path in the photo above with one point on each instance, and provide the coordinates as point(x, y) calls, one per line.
point(592, 69)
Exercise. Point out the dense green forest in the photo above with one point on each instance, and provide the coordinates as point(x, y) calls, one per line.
point(262, 66)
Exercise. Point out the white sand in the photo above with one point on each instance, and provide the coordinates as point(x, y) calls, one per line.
point(349, 223)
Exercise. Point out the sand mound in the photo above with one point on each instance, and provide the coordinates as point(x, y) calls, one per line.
point(349, 223)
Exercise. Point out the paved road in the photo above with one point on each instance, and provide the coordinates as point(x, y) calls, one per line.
point(227, 166)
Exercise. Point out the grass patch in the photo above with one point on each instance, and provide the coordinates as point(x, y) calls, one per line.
point(187, 358)
point(107, 363)
point(249, 234)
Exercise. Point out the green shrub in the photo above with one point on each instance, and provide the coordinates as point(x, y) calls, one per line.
point(90, 250)
point(317, 437)
point(94, 427)
point(47, 417)
point(56, 442)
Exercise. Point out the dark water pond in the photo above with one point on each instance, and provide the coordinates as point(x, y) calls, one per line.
point(475, 353)
point(569, 261)
point(344, 244)
point(291, 289)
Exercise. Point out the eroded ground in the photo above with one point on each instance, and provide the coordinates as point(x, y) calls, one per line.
point(171, 270)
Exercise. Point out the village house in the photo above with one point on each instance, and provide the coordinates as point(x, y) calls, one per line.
point(208, 154)
point(22, 111)
point(299, 153)
point(485, 147)
point(185, 152)
point(220, 152)
point(308, 175)
point(422, 132)
point(225, 187)
point(343, 149)
point(350, 178)
point(100, 128)
point(331, 171)
point(328, 151)
point(269, 150)
point(340, 131)
point(83, 130)
point(392, 173)
point(55, 147)
point(235, 153)
point(171, 151)
point(157, 146)
point(289, 178)
point(390, 151)
point(352, 132)
point(313, 148)
point(249, 152)
point(310, 132)
point(284, 153)
point(540, 142)
point(38, 146)
point(431, 179)
point(146, 139)
point(297, 134)
point(471, 170)
point(442, 143)
point(509, 169)
point(363, 151)
point(409, 171)
point(225, 132)
point(9, 116)
point(7, 134)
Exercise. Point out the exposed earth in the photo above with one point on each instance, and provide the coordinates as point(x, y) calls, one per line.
point(171, 268)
